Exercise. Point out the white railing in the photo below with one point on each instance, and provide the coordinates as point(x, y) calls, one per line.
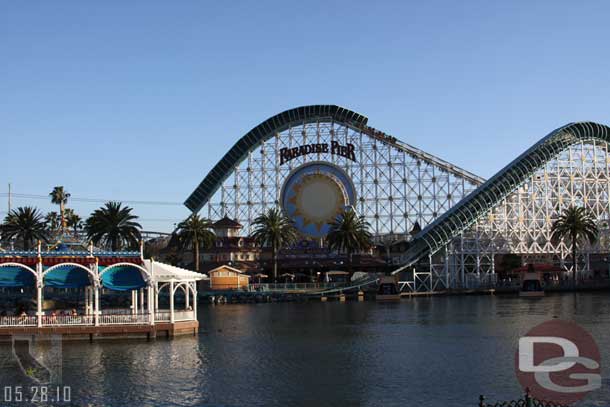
point(123, 319)
point(164, 316)
point(18, 321)
point(184, 315)
point(116, 318)
point(52, 320)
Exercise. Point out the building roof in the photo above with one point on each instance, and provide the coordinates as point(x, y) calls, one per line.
point(227, 223)
point(225, 267)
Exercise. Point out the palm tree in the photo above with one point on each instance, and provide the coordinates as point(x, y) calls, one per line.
point(52, 221)
point(349, 233)
point(114, 226)
point(575, 224)
point(274, 229)
point(25, 223)
point(73, 221)
point(194, 232)
point(59, 196)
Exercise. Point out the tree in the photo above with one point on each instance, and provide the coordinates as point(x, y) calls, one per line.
point(52, 221)
point(349, 233)
point(274, 229)
point(73, 221)
point(196, 233)
point(26, 224)
point(59, 196)
point(114, 226)
point(575, 224)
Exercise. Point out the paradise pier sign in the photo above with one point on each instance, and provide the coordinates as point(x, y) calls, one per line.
point(335, 148)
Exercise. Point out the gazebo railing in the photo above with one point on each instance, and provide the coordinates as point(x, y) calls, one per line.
point(162, 316)
point(50, 320)
point(182, 315)
point(18, 320)
point(123, 319)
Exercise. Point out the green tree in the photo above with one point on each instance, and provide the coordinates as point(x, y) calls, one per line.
point(53, 222)
point(73, 221)
point(26, 224)
point(576, 225)
point(113, 225)
point(59, 196)
point(349, 233)
point(274, 229)
point(195, 233)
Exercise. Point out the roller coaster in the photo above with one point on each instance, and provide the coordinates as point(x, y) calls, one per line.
point(457, 225)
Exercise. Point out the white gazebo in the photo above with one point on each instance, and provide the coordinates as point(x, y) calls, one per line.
point(174, 278)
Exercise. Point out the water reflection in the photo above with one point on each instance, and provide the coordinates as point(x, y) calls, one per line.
point(422, 351)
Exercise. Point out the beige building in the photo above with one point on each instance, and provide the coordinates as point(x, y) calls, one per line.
point(228, 278)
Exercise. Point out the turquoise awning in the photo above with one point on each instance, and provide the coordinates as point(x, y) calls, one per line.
point(14, 276)
point(67, 277)
point(122, 278)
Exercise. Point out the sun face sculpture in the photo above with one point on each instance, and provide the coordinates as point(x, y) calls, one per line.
point(314, 194)
point(318, 199)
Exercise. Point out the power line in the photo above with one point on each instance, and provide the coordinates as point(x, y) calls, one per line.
point(93, 200)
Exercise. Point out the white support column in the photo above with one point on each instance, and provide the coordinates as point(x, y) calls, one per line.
point(142, 309)
point(91, 300)
point(39, 303)
point(156, 287)
point(86, 300)
point(194, 300)
point(187, 295)
point(171, 301)
point(96, 305)
point(96, 292)
point(151, 310)
point(134, 302)
point(39, 282)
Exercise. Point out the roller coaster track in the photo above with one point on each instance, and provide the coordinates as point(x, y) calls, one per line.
point(301, 115)
point(479, 202)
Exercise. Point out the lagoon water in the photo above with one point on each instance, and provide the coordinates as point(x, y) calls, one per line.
point(420, 352)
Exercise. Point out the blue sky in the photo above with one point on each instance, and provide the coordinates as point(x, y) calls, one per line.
point(138, 100)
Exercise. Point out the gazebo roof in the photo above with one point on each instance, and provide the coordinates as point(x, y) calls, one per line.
point(162, 272)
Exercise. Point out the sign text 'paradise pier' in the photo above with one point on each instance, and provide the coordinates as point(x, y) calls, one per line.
point(335, 148)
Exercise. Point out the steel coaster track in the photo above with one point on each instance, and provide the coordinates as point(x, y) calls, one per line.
point(301, 115)
point(479, 202)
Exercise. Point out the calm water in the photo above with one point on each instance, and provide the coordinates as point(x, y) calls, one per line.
point(421, 352)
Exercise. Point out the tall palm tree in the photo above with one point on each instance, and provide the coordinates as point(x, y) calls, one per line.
point(73, 221)
point(349, 233)
point(274, 229)
point(25, 223)
point(196, 233)
point(59, 196)
point(575, 224)
point(114, 226)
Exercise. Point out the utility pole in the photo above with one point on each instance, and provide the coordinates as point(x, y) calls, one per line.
point(9, 197)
